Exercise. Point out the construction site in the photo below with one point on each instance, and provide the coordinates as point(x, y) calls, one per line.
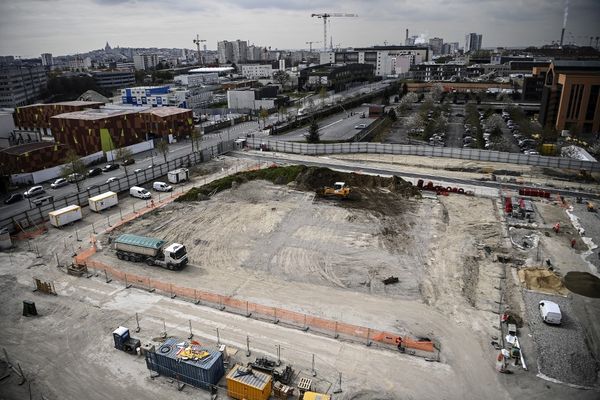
point(266, 278)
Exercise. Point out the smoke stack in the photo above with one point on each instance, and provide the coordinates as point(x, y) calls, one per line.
point(406, 35)
point(562, 33)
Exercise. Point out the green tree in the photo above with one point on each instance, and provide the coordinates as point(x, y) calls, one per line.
point(263, 114)
point(281, 77)
point(163, 148)
point(122, 154)
point(313, 135)
point(73, 165)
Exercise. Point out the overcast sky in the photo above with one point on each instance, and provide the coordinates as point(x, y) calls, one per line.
point(31, 27)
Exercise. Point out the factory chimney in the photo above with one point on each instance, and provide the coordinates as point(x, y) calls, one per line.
point(562, 33)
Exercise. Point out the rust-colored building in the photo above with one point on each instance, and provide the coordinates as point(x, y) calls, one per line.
point(106, 129)
point(36, 117)
point(164, 121)
point(571, 96)
point(31, 157)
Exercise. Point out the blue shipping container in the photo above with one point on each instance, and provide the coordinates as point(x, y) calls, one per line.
point(203, 373)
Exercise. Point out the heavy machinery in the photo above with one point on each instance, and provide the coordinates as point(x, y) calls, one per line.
point(339, 189)
point(124, 341)
point(151, 251)
point(325, 17)
point(591, 207)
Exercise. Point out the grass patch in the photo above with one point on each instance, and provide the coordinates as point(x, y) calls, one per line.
point(278, 175)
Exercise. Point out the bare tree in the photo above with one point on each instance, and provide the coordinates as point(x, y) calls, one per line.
point(263, 114)
point(323, 95)
point(196, 137)
point(281, 77)
point(74, 168)
point(122, 154)
point(163, 148)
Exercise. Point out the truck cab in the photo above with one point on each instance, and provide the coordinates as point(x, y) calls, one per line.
point(176, 255)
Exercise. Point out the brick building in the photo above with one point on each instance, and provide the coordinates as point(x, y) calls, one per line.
point(31, 157)
point(164, 121)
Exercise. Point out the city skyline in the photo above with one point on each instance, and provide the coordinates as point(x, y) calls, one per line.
point(64, 27)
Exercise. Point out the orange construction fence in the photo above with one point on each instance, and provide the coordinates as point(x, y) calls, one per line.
point(273, 314)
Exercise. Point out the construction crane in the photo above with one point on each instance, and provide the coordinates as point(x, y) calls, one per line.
point(311, 43)
point(197, 41)
point(325, 17)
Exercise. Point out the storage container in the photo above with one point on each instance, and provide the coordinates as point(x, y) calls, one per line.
point(246, 383)
point(65, 216)
point(204, 373)
point(103, 201)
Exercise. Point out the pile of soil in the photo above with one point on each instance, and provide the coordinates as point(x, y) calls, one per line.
point(315, 178)
point(542, 280)
point(583, 283)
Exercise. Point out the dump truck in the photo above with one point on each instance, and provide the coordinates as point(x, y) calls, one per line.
point(151, 251)
point(339, 189)
point(178, 175)
point(124, 341)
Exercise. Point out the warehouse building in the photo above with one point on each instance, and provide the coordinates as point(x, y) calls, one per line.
point(336, 77)
point(31, 157)
point(36, 117)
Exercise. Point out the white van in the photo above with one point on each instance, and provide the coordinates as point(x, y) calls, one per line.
point(139, 192)
point(550, 312)
point(161, 187)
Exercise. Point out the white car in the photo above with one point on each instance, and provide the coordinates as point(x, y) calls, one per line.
point(60, 182)
point(550, 312)
point(161, 187)
point(112, 179)
point(360, 126)
point(137, 170)
point(34, 191)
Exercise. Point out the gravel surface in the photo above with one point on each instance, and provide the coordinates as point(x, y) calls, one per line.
point(562, 351)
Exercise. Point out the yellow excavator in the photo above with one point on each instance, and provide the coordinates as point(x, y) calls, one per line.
point(339, 189)
point(591, 207)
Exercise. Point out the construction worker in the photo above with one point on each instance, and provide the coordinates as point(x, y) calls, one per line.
point(573, 243)
point(556, 227)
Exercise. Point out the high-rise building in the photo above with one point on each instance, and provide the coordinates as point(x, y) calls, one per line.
point(21, 84)
point(47, 60)
point(225, 52)
point(240, 51)
point(472, 42)
point(436, 45)
point(145, 61)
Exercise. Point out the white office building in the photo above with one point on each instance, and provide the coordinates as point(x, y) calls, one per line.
point(257, 71)
point(145, 61)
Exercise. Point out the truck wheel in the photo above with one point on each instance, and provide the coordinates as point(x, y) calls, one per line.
point(170, 266)
point(119, 256)
point(125, 257)
point(149, 262)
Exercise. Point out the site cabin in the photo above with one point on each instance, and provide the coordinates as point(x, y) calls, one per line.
point(179, 175)
point(65, 216)
point(103, 201)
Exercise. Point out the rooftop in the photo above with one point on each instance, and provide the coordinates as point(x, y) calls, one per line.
point(574, 65)
point(74, 103)
point(205, 70)
point(96, 114)
point(26, 148)
point(165, 111)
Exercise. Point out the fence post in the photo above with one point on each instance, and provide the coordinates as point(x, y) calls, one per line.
point(247, 346)
point(108, 280)
point(248, 313)
point(127, 285)
point(218, 338)
point(196, 300)
point(173, 295)
point(164, 332)
point(137, 322)
point(191, 333)
point(275, 319)
point(368, 335)
point(314, 373)
point(150, 288)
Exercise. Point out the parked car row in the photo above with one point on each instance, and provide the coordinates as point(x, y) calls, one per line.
point(528, 146)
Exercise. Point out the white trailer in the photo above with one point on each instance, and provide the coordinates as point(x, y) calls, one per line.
point(65, 216)
point(103, 201)
point(179, 175)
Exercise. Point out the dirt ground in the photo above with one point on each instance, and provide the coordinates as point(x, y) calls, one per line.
point(278, 245)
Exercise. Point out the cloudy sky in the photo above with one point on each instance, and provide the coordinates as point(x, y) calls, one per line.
point(31, 27)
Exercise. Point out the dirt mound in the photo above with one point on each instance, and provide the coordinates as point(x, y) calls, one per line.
point(542, 280)
point(315, 178)
point(583, 283)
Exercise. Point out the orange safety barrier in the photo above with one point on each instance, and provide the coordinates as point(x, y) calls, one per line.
point(274, 314)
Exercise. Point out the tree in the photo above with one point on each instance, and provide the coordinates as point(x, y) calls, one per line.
point(263, 114)
point(196, 138)
point(73, 165)
point(313, 135)
point(123, 154)
point(392, 114)
point(436, 91)
point(281, 77)
point(323, 95)
point(405, 89)
point(163, 148)
point(494, 122)
point(281, 111)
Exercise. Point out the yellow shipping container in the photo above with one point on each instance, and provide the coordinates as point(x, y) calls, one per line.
point(246, 383)
point(315, 396)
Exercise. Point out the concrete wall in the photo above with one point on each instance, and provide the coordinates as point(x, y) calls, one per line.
point(47, 174)
point(134, 148)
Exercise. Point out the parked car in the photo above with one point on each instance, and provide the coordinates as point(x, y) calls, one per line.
point(75, 177)
point(112, 179)
point(92, 187)
point(60, 182)
point(139, 192)
point(13, 198)
point(34, 191)
point(94, 171)
point(550, 312)
point(360, 126)
point(129, 161)
point(137, 170)
point(110, 167)
point(150, 166)
point(161, 187)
